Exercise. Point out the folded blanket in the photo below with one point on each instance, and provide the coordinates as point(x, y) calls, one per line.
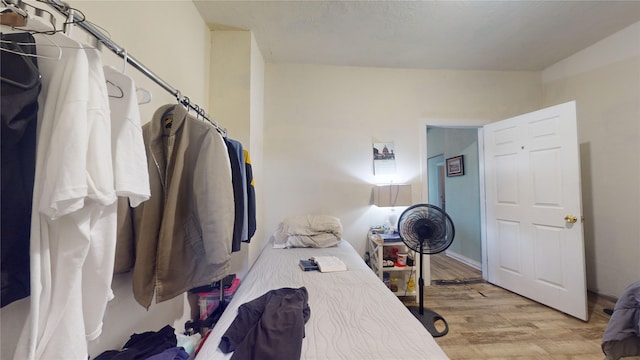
point(308, 231)
point(622, 335)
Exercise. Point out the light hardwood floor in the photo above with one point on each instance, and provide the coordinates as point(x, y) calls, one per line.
point(445, 269)
point(488, 322)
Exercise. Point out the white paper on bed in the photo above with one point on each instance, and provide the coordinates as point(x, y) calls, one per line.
point(353, 314)
point(329, 263)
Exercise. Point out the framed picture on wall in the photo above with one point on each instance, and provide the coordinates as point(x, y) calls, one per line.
point(455, 166)
point(384, 159)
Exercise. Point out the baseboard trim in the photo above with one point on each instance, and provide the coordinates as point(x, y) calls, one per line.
point(465, 260)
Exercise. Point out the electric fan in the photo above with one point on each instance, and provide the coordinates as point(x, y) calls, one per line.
point(426, 229)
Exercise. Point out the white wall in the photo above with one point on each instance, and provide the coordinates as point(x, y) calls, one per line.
point(321, 121)
point(604, 79)
point(256, 145)
point(231, 101)
point(237, 88)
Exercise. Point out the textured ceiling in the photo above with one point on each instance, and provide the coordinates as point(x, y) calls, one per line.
point(473, 35)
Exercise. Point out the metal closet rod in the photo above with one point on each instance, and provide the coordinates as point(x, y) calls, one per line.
point(74, 19)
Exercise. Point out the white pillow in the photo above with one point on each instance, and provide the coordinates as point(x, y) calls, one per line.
point(308, 231)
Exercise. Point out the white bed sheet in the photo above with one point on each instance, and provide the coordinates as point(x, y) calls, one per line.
point(353, 314)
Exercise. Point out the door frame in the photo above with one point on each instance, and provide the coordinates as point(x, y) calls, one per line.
point(439, 183)
point(424, 177)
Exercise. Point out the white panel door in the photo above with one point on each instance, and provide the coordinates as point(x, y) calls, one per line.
point(535, 244)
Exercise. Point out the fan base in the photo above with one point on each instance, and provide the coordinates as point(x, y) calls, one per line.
point(429, 319)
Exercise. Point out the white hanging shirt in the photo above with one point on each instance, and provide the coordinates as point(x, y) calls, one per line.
point(60, 224)
point(127, 143)
point(100, 171)
point(129, 178)
point(97, 270)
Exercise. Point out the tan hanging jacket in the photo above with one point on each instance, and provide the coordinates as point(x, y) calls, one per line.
point(184, 231)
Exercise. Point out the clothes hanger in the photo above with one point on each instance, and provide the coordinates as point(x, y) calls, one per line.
point(13, 16)
point(30, 78)
point(46, 15)
point(200, 112)
point(17, 13)
point(57, 3)
point(144, 97)
point(16, 48)
point(113, 86)
point(197, 110)
point(167, 117)
point(45, 24)
point(20, 9)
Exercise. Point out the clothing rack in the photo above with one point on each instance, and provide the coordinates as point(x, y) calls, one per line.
point(73, 19)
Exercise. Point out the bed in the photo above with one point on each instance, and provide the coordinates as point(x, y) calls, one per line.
point(353, 314)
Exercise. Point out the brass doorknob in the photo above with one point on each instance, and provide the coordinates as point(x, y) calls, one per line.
point(570, 219)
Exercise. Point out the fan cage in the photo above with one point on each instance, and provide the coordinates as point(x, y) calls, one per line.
point(428, 225)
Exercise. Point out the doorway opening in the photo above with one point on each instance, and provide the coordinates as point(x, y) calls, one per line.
point(459, 197)
point(531, 240)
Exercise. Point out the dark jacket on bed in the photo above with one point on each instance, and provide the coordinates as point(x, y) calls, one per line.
point(269, 327)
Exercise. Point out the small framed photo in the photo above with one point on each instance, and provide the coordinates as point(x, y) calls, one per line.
point(455, 166)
